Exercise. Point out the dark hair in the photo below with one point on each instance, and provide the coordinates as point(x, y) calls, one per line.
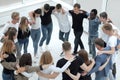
point(94, 11)
point(38, 11)
point(25, 60)
point(77, 5)
point(83, 53)
point(12, 32)
point(104, 15)
point(58, 6)
point(47, 7)
point(66, 46)
point(99, 41)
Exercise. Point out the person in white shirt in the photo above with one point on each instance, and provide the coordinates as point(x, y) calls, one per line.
point(63, 21)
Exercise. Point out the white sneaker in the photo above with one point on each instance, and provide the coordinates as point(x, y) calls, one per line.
point(46, 47)
point(40, 49)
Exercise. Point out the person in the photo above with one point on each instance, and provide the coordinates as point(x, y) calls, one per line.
point(7, 49)
point(77, 18)
point(46, 25)
point(112, 43)
point(35, 30)
point(46, 59)
point(23, 33)
point(102, 60)
point(64, 25)
point(93, 31)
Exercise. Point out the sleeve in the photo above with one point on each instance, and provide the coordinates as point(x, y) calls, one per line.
point(28, 75)
point(4, 29)
point(71, 12)
point(97, 65)
point(9, 65)
point(57, 69)
point(80, 60)
point(52, 8)
point(112, 41)
point(30, 69)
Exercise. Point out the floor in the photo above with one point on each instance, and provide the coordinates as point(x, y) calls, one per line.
point(55, 48)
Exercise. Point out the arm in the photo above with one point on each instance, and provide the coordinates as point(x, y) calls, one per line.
point(74, 77)
point(57, 69)
point(111, 51)
point(31, 17)
point(28, 75)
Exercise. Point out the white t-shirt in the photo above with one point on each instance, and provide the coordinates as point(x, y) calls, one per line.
point(112, 42)
point(63, 21)
point(37, 24)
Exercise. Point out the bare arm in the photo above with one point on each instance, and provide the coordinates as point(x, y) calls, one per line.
point(111, 51)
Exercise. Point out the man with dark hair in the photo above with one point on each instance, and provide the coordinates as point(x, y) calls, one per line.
point(93, 31)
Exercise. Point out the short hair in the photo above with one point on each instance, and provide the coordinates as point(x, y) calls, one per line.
point(107, 26)
point(77, 5)
point(66, 46)
point(12, 32)
point(99, 41)
point(38, 11)
point(104, 15)
point(94, 11)
point(25, 59)
point(58, 6)
point(46, 58)
point(47, 7)
point(14, 15)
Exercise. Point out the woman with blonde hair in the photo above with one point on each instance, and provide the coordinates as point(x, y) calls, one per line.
point(23, 33)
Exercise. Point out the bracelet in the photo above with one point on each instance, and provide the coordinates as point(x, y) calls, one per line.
point(40, 67)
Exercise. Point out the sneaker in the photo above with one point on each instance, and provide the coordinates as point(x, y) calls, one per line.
point(41, 49)
point(46, 47)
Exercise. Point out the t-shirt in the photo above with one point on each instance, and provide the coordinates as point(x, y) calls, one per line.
point(46, 17)
point(77, 20)
point(37, 24)
point(74, 67)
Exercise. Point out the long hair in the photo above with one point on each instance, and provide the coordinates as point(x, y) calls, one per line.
point(46, 58)
point(7, 46)
point(82, 53)
point(23, 26)
point(25, 60)
point(12, 33)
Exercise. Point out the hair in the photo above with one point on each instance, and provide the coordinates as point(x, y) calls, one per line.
point(100, 42)
point(77, 5)
point(66, 46)
point(25, 60)
point(104, 15)
point(107, 26)
point(23, 25)
point(37, 11)
point(47, 7)
point(12, 32)
point(7, 46)
point(14, 15)
point(83, 53)
point(46, 58)
point(58, 6)
point(94, 11)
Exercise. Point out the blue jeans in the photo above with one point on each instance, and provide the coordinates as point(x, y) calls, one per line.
point(8, 76)
point(64, 36)
point(78, 41)
point(35, 35)
point(25, 43)
point(18, 50)
point(91, 40)
point(46, 32)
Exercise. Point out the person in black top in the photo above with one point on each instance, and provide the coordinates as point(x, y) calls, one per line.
point(77, 18)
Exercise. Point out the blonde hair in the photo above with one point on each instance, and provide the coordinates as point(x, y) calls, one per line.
point(107, 26)
point(7, 46)
point(23, 25)
point(46, 58)
point(14, 15)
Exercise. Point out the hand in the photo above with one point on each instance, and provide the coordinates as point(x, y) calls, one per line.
point(84, 73)
point(21, 69)
point(67, 71)
point(99, 52)
point(2, 56)
point(93, 61)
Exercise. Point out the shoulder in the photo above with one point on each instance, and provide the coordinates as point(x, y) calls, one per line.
point(61, 62)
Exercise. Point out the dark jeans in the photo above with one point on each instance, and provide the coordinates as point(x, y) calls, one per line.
point(46, 32)
point(91, 40)
point(64, 36)
point(8, 76)
point(78, 41)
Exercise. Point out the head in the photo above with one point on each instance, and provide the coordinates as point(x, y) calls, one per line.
point(25, 60)
point(58, 7)
point(76, 8)
point(46, 58)
point(66, 46)
point(99, 43)
point(107, 28)
point(24, 23)
point(12, 34)
point(93, 14)
point(46, 7)
point(83, 53)
point(103, 17)
point(37, 12)
point(15, 17)
point(8, 46)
